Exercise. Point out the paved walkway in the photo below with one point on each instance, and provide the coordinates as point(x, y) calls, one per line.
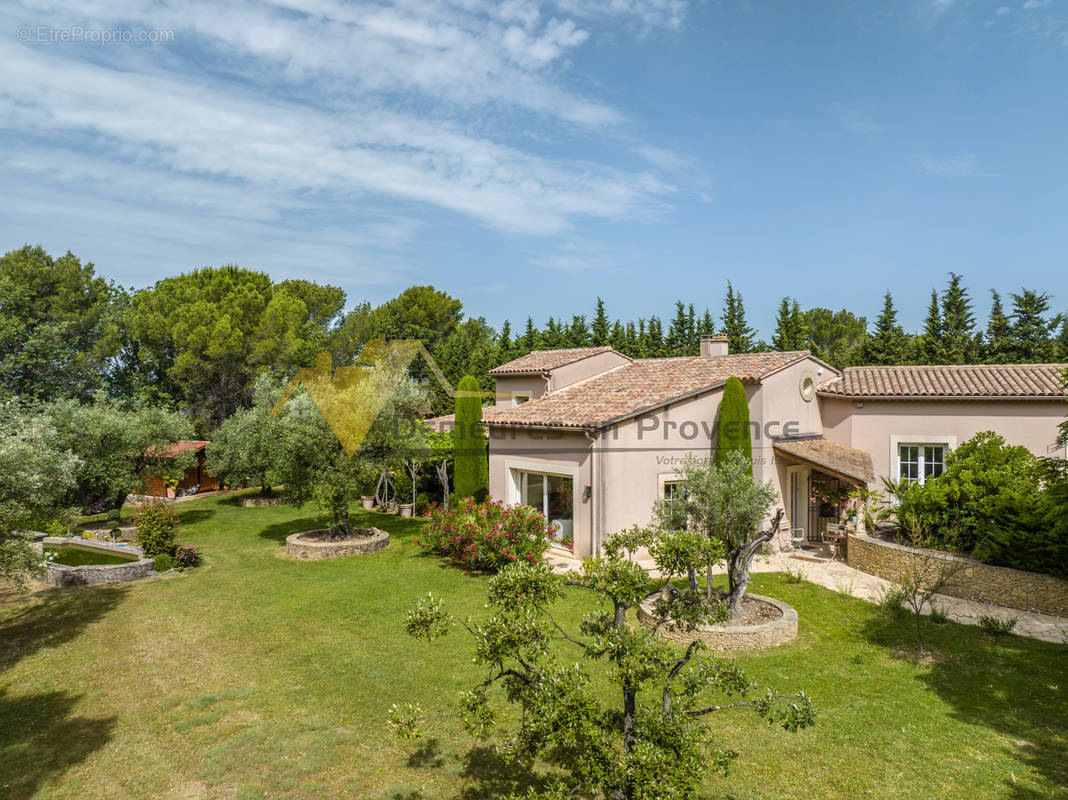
point(841, 577)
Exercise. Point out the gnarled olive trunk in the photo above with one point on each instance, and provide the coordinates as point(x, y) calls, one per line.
point(739, 559)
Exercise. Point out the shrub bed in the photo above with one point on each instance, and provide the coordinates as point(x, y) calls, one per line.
point(486, 536)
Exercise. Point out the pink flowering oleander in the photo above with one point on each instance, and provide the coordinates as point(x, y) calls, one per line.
point(486, 536)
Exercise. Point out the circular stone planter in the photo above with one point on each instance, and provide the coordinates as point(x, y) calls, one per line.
point(64, 575)
point(313, 545)
point(770, 633)
point(260, 502)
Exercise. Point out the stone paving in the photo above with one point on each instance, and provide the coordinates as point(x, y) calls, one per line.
point(840, 577)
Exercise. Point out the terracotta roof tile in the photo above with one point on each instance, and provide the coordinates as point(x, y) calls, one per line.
point(177, 448)
point(831, 456)
point(642, 385)
point(949, 381)
point(540, 361)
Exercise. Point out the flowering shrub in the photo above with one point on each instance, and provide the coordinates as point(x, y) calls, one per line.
point(486, 536)
point(156, 526)
point(186, 556)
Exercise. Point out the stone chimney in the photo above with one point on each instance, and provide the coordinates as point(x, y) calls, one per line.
point(715, 345)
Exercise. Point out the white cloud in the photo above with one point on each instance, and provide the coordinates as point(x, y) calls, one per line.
point(260, 111)
point(1002, 11)
point(959, 166)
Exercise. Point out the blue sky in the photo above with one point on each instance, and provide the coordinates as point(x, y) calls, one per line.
point(528, 156)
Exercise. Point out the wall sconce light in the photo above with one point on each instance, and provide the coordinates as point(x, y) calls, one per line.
point(587, 493)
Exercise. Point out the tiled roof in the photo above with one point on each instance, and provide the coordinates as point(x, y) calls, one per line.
point(642, 385)
point(177, 448)
point(831, 456)
point(447, 422)
point(965, 380)
point(540, 361)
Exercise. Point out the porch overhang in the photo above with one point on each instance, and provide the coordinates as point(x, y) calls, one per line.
point(854, 466)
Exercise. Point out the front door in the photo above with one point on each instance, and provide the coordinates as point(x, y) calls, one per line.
point(797, 488)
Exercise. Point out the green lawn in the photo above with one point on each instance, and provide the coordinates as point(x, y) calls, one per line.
point(256, 676)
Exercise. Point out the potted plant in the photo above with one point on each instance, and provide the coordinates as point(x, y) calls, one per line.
point(365, 478)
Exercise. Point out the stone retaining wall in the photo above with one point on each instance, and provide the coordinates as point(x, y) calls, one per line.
point(299, 547)
point(774, 632)
point(63, 575)
point(1028, 591)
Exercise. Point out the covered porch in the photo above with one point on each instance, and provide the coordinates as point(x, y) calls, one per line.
point(817, 478)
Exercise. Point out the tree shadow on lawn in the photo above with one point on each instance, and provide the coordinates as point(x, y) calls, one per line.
point(40, 739)
point(195, 515)
point(493, 777)
point(1011, 684)
point(52, 618)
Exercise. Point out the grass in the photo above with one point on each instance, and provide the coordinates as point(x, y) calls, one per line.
point(256, 676)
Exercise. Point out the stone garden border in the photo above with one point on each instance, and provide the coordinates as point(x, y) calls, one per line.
point(262, 502)
point(302, 548)
point(772, 633)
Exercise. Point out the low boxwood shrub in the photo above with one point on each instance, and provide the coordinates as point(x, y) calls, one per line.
point(422, 503)
point(157, 525)
point(486, 536)
point(162, 562)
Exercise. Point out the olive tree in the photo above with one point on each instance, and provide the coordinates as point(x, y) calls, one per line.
point(117, 443)
point(652, 739)
point(723, 502)
point(36, 476)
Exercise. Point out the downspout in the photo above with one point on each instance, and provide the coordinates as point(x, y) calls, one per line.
point(595, 544)
point(548, 378)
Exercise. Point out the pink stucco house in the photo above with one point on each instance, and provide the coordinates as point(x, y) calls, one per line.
point(593, 438)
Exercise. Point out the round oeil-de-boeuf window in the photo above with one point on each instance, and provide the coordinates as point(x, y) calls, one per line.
point(808, 387)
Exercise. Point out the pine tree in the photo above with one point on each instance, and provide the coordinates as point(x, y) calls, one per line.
point(996, 346)
point(601, 329)
point(1032, 334)
point(732, 428)
point(960, 344)
point(931, 342)
point(887, 344)
point(739, 334)
point(618, 337)
point(692, 346)
point(470, 466)
point(641, 347)
point(1062, 343)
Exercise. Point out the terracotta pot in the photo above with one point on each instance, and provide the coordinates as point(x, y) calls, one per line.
point(406, 509)
point(368, 502)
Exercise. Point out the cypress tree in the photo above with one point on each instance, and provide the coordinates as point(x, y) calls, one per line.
point(601, 329)
point(504, 341)
point(530, 337)
point(732, 430)
point(739, 334)
point(960, 345)
point(1032, 340)
point(677, 337)
point(654, 333)
point(707, 325)
point(578, 333)
point(790, 329)
point(886, 346)
point(996, 347)
point(618, 337)
point(471, 465)
point(932, 332)
point(691, 332)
